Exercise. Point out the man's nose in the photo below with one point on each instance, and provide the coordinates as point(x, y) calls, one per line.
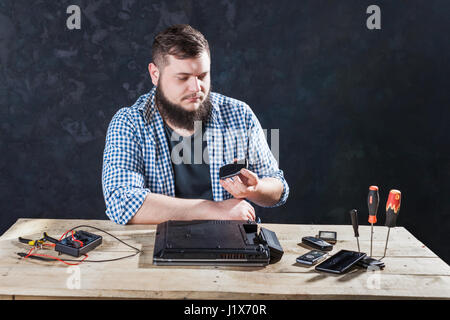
point(194, 84)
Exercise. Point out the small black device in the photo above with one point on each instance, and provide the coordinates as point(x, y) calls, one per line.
point(328, 236)
point(77, 244)
point(269, 238)
point(340, 262)
point(215, 242)
point(311, 257)
point(232, 169)
point(317, 243)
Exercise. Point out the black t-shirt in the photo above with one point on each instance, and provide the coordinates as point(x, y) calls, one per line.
point(192, 174)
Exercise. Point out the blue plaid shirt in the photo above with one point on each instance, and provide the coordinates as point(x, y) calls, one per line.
point(137, 160)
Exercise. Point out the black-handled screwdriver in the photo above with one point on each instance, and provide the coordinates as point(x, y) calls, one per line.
point(354, 217)
point(373, 199)
point(392, 211)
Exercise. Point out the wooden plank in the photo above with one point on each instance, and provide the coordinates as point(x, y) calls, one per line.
point(394, 265)
point(171, 283)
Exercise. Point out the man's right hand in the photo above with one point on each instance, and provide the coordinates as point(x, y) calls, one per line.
point(235, 209)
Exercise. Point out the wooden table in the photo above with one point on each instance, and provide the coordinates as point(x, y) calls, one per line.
point(412, 270)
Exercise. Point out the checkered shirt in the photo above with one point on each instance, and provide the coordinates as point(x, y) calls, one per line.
point(137, 159)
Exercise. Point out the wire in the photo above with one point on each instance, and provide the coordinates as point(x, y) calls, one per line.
point(52, 257)
point(85, 258)
point(73, 239)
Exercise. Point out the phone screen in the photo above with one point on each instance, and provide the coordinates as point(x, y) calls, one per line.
point(341, 261)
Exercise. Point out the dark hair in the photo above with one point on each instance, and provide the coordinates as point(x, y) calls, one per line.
point(181, 41)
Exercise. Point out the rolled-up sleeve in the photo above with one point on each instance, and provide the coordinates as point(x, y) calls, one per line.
point(261, 160)
point(123, 180)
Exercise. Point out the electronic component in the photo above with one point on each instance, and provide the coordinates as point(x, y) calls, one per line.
point(270, 238)
point(341, 261)
point(317, 243)
point(328, 236)
point(311, 257)
point(215, 242)
point(77, 244)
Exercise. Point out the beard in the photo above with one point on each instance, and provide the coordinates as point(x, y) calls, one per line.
point(177, 115)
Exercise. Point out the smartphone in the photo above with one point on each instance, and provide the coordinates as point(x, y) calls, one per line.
point(317, 243)
point(311, 257)
point(341, 261)
point(232, 169)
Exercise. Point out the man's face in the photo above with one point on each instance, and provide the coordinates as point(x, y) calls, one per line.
point(186, 82)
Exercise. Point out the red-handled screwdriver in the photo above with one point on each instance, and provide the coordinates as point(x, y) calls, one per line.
point(392, 211)
point(373, 199)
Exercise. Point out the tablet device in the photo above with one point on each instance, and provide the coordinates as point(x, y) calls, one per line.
point(341, 261)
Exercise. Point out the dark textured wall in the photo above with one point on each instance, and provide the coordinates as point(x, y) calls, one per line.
point(355, 107)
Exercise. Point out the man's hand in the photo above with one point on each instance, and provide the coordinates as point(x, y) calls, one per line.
point(241, 186)
point(235, 209)
point(247, 185)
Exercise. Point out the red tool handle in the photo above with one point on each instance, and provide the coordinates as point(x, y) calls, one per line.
point(373, 199)
point(393, 207)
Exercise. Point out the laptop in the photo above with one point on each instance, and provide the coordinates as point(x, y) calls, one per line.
point(215, 242)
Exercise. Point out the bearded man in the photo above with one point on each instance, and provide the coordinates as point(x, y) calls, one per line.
point(163, 154)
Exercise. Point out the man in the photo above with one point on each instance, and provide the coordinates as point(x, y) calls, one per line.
point(144, 180)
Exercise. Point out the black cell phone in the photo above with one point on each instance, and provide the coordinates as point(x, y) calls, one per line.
point(311, 257)
point(317, 243)
point(341, 261)
point(232, 169)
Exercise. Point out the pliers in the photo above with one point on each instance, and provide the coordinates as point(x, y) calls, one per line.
point(34, 243)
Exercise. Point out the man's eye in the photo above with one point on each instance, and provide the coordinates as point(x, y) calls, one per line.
point(182, 79)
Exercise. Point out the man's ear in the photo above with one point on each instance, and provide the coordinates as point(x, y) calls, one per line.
point(154, 73)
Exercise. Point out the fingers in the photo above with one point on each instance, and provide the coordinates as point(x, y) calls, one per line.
point(235, 186)
point(248, 173)
point(238, 185)
point(251, 210)
point(239, 209)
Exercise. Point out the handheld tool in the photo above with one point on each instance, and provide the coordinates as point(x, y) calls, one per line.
point(354, 217)
point(373, 199)
point(30, 242)
point(392, 211)
point(366, 262)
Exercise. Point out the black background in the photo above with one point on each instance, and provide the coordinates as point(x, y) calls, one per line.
point(355, 107)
